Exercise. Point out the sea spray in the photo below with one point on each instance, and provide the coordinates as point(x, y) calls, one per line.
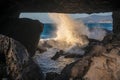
point(69, 32)
point(71, 36)
point(97, 33)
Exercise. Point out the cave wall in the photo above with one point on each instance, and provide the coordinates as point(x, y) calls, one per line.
point(116, 21)
point(10, 10)
point(27, 31)
point(11, 7)
point(66, 6)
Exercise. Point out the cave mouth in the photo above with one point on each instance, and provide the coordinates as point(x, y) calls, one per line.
point(92, 21)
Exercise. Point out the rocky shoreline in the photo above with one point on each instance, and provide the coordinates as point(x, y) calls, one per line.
point(101, 58)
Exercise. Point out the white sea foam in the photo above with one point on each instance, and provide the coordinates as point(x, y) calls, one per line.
point(48, 65)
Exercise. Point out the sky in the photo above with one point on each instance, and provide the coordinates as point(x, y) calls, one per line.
point(44, 18)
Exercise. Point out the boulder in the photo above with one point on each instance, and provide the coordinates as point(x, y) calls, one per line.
point(92, 44)
point(106, 67)
point(98, 64)
point(32, 71)
point(19, 64)
point(26, 31)
point(57, 55)
point(75, 70)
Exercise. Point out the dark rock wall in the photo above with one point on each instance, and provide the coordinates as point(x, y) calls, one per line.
point(26, 31)
point(19, 65)
point(68, 6)
point(116, 22)
point(8, 9)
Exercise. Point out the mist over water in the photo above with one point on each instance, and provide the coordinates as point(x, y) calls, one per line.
point(69, 31)
point(97, 33)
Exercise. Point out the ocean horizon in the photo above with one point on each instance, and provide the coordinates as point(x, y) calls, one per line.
point(48, 30)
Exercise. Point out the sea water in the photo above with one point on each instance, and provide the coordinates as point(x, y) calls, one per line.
point(49, 28)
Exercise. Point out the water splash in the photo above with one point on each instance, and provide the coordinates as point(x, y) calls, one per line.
point(69, 32)
point(97, 33)
point(71, 36)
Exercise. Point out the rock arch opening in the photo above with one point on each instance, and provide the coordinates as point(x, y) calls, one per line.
point(12, 26)
point(52, 60)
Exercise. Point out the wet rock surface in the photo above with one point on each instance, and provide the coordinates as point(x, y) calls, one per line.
point(74, 70)
point(101, 62)
point(19, 65)
point(57, 55)
point(73, 56)
point(100, 57)
point(41, 50)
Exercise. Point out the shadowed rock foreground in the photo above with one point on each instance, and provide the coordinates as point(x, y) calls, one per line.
point(26, 31)
point(101, 61)
point(16, 62)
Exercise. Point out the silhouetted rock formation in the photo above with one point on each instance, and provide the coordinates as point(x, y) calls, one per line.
point(116, 22)
point(24, 30)
point(18, 62)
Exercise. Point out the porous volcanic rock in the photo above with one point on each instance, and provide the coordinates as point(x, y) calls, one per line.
point(19, 64)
